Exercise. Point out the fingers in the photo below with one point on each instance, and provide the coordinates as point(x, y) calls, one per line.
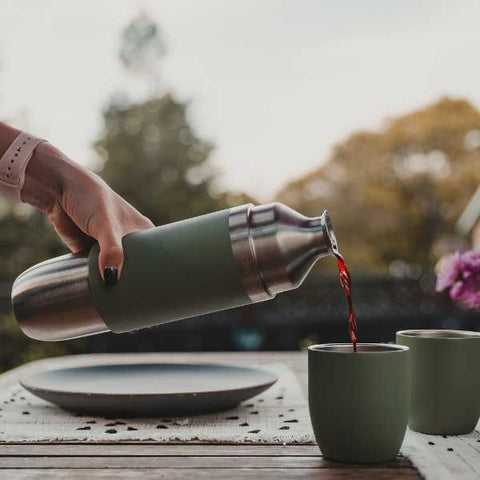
point(110, 259)
point(105, 217)
point(71, 235)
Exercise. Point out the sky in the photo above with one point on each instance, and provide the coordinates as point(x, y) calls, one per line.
point(273, 84)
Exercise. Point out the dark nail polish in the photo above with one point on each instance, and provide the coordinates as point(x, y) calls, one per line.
point(111, 276)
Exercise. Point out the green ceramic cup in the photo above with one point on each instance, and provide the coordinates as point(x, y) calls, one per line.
point(445, 380)
point(359, 401)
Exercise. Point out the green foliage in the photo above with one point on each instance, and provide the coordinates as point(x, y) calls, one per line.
point(26, 238)
point(397, 193)
point(154, 159)
point(17, 348)
point(142, 45)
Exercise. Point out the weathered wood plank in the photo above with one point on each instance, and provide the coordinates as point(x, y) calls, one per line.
point(144, 449)
point(281, 462)
point(213, 474)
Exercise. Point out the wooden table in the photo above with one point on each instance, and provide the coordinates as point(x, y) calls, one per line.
point(149, 461)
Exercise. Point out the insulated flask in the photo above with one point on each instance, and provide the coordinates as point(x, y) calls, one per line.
point(213, 262)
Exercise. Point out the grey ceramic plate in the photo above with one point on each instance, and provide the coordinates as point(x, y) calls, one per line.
point(148, 389)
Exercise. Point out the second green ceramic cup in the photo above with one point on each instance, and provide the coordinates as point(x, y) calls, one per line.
point(445, 380)
point(359, 401)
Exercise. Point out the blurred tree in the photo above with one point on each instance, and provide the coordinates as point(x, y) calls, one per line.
point(155, 161)
point(395, 195)
point(26, 237)
point(142, 45)
point(152, 156)
point(17, 348)
point(142, 48)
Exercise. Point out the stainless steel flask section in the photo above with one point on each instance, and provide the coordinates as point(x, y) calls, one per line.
point(273, 248)
point(52, 300)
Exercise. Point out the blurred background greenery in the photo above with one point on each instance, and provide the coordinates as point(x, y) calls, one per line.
point(395, 194)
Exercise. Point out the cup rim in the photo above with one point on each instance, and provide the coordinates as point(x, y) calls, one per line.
point(362, 348)
point(438, 334)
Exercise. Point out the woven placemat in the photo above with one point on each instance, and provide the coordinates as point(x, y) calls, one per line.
point(444, 457)
point(278, 416)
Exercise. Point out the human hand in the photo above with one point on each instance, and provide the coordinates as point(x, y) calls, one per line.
point(81, 207)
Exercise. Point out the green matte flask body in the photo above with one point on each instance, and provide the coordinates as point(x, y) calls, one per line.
point(171, 272)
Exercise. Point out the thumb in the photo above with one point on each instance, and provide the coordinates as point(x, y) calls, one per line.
point(110, 259)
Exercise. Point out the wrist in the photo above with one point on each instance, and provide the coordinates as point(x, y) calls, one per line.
point(47, 176)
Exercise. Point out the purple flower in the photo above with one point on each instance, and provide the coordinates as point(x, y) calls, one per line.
point(460, 274)
point(470, 263)
point(449, 272)
point(468, 291)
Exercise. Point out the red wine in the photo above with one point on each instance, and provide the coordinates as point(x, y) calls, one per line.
point(346, 282)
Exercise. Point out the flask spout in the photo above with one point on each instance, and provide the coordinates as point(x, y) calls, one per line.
point(329, 233)
point(275, 246)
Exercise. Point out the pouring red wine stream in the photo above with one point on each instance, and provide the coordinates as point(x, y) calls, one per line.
point(346, 282)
